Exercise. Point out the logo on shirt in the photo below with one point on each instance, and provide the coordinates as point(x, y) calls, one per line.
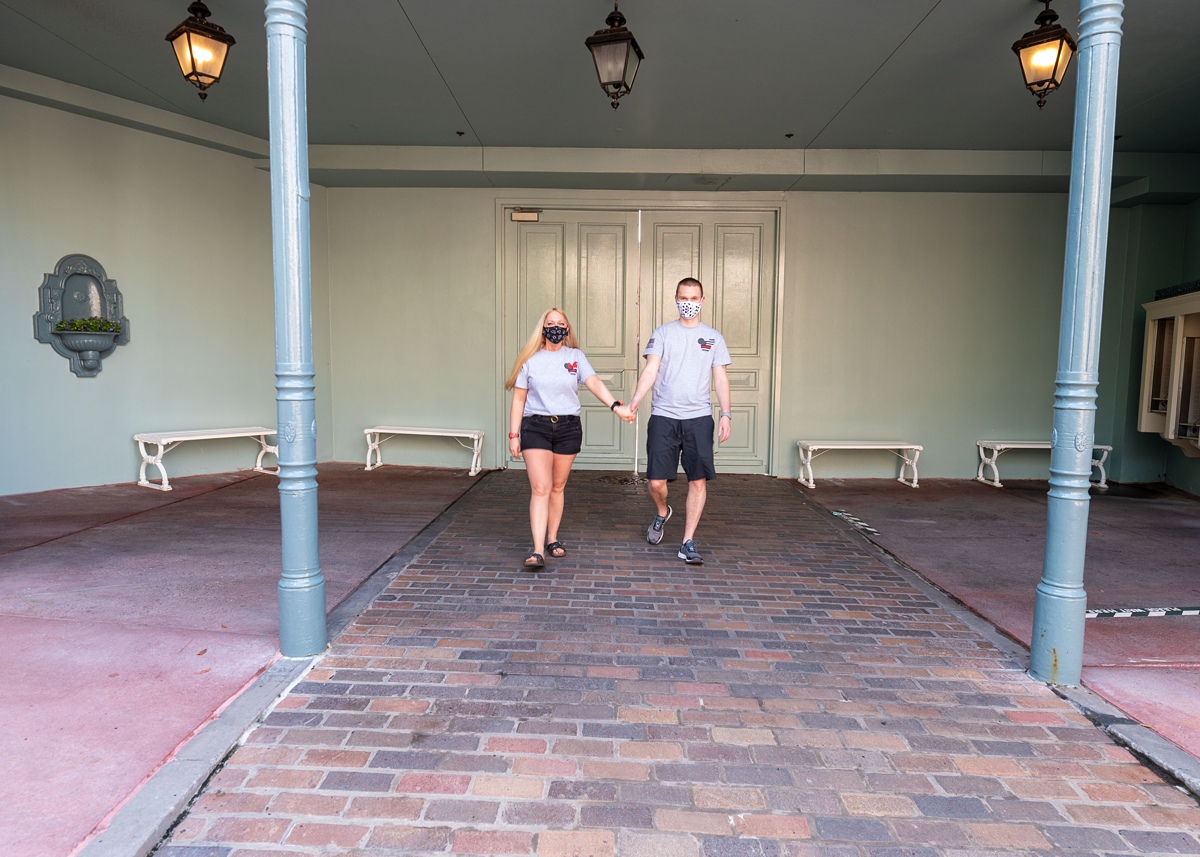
point(706, 344)
point(651, 342)
point(573, 368)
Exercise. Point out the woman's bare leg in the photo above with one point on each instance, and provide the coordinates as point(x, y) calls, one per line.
point(539, 465)
point(560, 473)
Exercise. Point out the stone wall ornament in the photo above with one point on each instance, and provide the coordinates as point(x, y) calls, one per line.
point(79, 289)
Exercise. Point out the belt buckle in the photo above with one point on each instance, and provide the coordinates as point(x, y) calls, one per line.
point(553, 419)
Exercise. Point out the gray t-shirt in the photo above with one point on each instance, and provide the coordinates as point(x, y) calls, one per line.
point(552, 379)
point(682, 388)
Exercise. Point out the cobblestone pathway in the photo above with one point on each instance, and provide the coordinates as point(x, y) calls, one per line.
point(792, 696)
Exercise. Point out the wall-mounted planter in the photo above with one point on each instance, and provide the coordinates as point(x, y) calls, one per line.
point(79, 289)
point(89, 345)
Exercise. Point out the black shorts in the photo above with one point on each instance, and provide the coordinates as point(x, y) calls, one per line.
point(561, 435)
point(669, 440)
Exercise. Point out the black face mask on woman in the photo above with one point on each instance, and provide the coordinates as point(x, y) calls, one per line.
point(555, 334)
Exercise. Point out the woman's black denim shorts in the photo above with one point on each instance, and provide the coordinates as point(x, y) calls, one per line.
point(562, 435)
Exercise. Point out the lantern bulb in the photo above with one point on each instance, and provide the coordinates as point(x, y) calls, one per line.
point(1045, 58)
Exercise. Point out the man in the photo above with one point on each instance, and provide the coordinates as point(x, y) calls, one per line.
point(682, 358)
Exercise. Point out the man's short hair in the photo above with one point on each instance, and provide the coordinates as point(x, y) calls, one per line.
point(689, 281)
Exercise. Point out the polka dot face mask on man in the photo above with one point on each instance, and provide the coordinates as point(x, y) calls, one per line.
point(555, 334)
point(688, 309)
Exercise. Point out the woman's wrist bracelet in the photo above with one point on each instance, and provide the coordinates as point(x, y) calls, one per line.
point(512, 436)
point(614, 405)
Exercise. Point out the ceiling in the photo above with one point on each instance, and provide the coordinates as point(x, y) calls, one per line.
point(755, 74)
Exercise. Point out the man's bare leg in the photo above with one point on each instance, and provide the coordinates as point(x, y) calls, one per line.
point(696, 496)
point(658, 493)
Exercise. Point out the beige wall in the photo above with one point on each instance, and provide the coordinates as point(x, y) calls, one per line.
point(413, 318)
point(193, 263)
point(929, 317)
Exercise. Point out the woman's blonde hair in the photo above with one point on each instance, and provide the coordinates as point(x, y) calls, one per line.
point(536, 342)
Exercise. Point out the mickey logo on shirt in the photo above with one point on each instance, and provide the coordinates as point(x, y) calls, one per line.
point(706, 344)
point(573, 368)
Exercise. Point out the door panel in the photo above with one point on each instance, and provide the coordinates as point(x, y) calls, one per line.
point(583, 262)
point(676, 254)
point(736, 288)
point(616, 291)
point(601, 300)
point(543, 248)
point(733, 255)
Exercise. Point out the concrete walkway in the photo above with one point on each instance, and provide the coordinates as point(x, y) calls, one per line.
point(796, 695)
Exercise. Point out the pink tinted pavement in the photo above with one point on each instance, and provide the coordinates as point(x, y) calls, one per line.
point(985, 547)
point(131, 616)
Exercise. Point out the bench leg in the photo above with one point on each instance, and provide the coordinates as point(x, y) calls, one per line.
point(266, 448)
point(910, 463)
point(156, 460)
point(988, 461)
point(806, 473)
point(373, 451)
point(476, 456)
point(1098, 463)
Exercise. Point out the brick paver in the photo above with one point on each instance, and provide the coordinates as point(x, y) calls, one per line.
point(793, 696)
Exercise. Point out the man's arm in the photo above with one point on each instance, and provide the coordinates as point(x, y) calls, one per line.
point(646, 381)
point(721, 383)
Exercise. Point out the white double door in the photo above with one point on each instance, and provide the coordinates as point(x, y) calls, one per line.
point(616, 289)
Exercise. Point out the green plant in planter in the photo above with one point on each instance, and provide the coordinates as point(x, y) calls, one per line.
point(89, 325)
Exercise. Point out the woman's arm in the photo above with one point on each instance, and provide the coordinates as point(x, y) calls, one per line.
point(600, 390)
point(514, 421)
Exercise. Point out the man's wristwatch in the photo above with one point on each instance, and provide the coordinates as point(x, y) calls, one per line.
point(727, 414)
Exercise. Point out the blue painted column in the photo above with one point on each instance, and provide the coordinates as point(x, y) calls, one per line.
point(301, 585)
point(1061, 603)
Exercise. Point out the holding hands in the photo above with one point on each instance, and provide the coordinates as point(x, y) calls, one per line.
point(626, 412)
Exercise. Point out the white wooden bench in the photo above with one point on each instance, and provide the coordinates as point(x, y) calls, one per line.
point(990, 450)
point(908, 453)
point(165, 441)
point(378, 434)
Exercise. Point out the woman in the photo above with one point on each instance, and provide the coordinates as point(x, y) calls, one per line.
point(543, 424)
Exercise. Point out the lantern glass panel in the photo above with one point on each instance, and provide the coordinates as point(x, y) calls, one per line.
point(208, 56)
point(610, 62)
point(183, 53)
point(1044, 65)
point(631, 67)
point(1064, 59)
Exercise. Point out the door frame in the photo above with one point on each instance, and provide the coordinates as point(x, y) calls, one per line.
point(607, 201)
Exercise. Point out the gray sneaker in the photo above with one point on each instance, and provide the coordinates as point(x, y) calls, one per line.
point(689, 554)
point(655, 533)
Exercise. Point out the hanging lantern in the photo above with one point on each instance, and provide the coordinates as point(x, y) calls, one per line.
point(1045, 54)
point(616, 54)
point(200, 47)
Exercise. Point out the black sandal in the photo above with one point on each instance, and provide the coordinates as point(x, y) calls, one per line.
point(535, 561)
point(556, 546)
